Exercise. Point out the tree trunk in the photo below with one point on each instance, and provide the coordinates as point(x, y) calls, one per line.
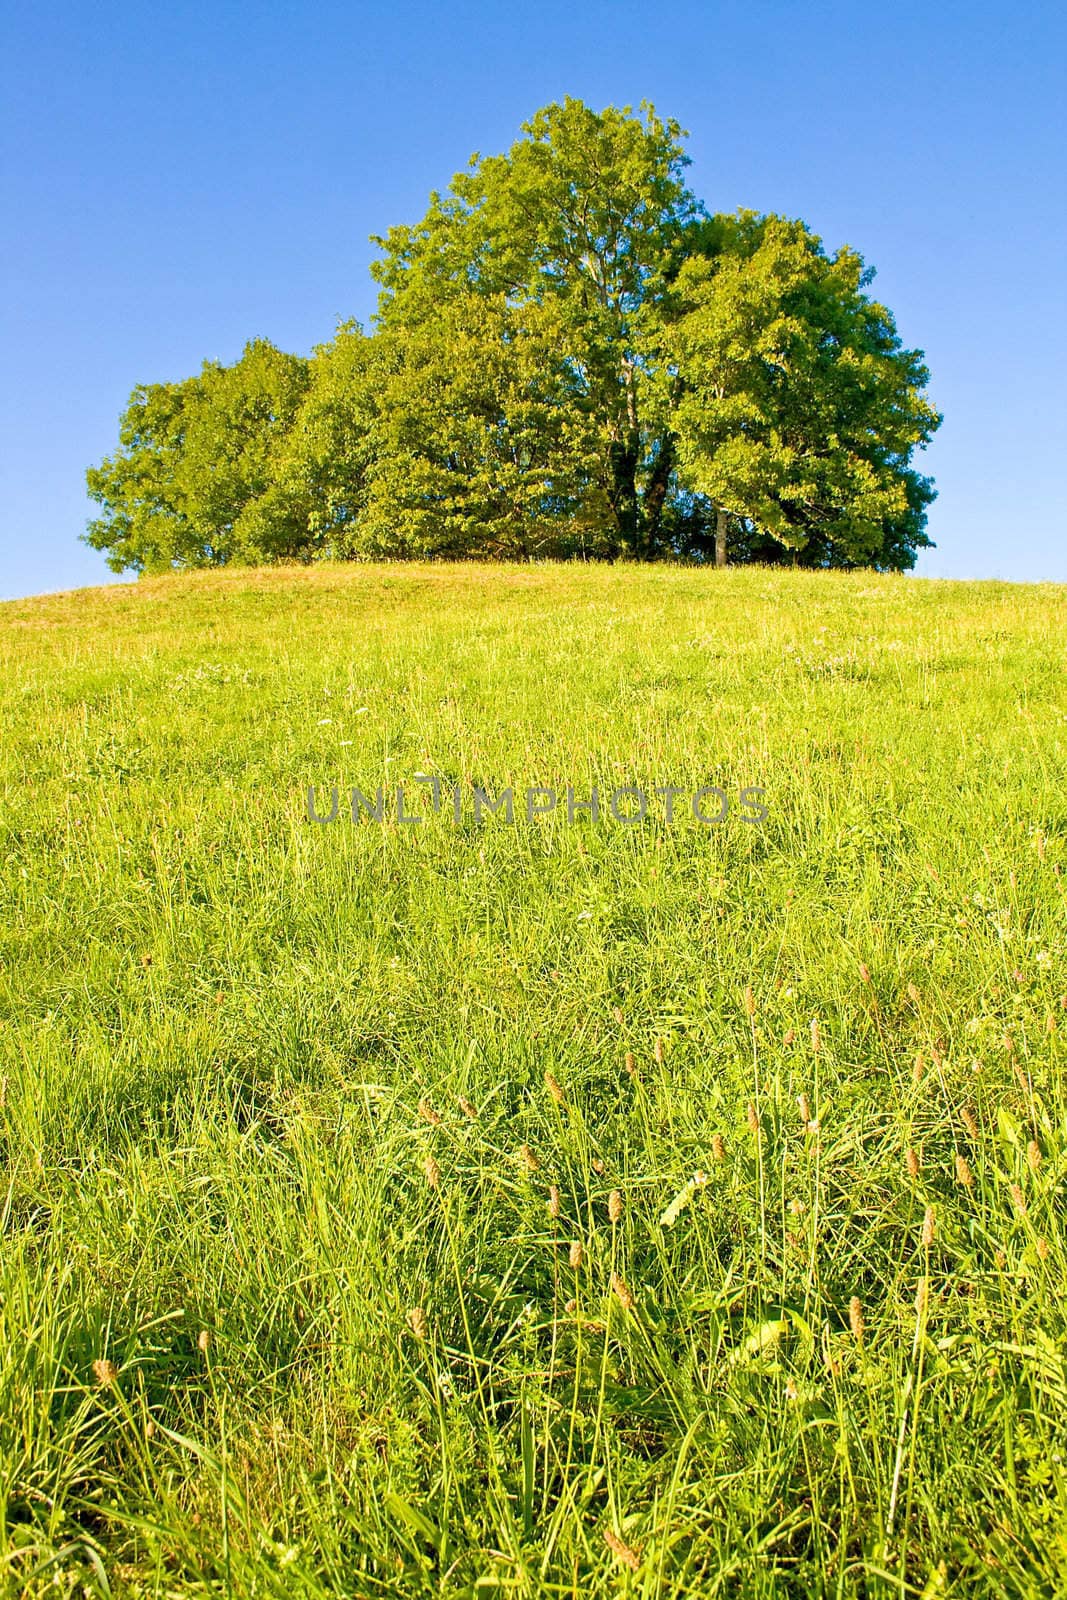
point(622, 496)
point(656, 490)
point(720, 538)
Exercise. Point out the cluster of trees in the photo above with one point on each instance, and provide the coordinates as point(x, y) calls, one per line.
point(571, 356)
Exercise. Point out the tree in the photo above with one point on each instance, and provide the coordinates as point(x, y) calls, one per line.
point(194, 482)
point(799, 409)
point(586, 218)
point(569, 356)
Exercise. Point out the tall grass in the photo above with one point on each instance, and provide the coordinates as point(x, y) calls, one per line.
point(542, 1209)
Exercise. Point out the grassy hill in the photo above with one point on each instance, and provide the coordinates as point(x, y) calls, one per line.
point(549, 1207)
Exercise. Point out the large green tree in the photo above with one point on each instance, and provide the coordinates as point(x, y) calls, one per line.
point(460, 434)
point(585, 219)
point(194, 480)
point(798, 408)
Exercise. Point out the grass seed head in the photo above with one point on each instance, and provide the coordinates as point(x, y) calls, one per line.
point(922, 1296)
point(554, 1087)
point(629, 1064)
point(105, 1372)
point(575, 1254)
point(428, 1114)
point(658, 1052)
point(622, 1551)
point(913, 1163)
point(816, 1036)
point(718, 1148)
point(855, 1319)
point(203, 1341)
point(467, 1108)
point(432, 1171)
point(970, 1121)
point(752, 1117)
point(964, 1174)
point(865, 975)
point(417, 1322)
point(1042, 1249)
point(1033, 1155)
point(790, 1035)
point(913, 994)
point(929, 1227)
point(918, 1068)
point(553, 1201)
point(750, 1001)
point(805, 1108)
point(528, 1158)
point(1018, 1199)
point(619, 1018)
point(621, 1291)
point(615, 1205)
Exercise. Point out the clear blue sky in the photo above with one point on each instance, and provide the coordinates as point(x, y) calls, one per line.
point(178, 179)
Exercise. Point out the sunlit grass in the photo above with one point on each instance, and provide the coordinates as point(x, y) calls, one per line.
point(541, 1209)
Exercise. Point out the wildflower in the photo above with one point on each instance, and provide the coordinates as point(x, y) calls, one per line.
point(913, 1163)
point(622, 1551)
point(105, 1372)
point(855, 1319)
point(797, 1207)
point(554, 1087)
point(622, 1293)
point(615, 1205)
point(417, 1322)
point(529, 1160)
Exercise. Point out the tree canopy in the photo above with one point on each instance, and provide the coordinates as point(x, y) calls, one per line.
point(571, 356)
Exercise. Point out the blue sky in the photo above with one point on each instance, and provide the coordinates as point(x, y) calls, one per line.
point(179, 179)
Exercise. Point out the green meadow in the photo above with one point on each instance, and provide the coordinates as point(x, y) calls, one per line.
point(546, 1208)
